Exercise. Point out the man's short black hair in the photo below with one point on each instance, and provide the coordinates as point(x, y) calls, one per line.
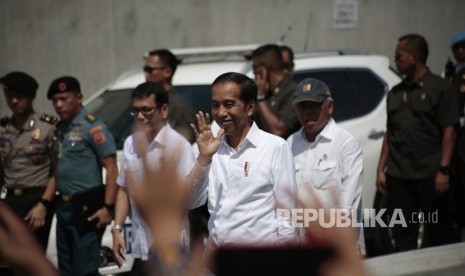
point(247, 86)
point(146, 89)
point(269, 55)
point(167, 58)
point(416, 44)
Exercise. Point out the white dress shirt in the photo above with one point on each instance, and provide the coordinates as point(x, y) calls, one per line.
point(164, 145)
point(245, 187)
point(333, 164)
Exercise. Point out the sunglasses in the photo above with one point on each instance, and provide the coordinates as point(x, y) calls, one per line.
point(145, 110)
point(149, 69)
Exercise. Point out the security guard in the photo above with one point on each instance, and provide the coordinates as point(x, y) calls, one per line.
point(86, 146)
point(28, 156)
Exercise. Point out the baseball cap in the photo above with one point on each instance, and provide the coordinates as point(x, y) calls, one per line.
point(63, 84)
point(458, 38)
point(21, 83)
point(311, 89)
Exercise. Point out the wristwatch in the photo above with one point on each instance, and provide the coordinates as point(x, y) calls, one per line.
point(116, 227)
point(261, 97)
point(444, 169)
point(45, 202)
point(109, 207)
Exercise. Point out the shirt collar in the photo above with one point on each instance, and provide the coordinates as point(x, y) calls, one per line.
point(252, 138)
point(80, 117)
point(161, 137)
point(325, 134)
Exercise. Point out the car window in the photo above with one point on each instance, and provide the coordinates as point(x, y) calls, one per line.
point(199, 96)
point(356, 92)
point(113, 107)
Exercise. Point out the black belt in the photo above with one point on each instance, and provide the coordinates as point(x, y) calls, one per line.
point(20, 190)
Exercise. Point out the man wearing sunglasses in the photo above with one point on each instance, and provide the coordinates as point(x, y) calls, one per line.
point(159, 68)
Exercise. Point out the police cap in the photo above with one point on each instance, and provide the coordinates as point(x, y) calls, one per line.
point(20, 83)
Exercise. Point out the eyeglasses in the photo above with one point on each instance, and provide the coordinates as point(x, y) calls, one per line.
point(145, 110)
point(149, 69)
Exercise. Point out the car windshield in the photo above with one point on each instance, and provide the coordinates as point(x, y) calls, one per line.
point(113, 107)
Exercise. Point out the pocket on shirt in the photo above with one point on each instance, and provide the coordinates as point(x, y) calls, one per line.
point(77, 147)
point(421, 103)
point(324, 175)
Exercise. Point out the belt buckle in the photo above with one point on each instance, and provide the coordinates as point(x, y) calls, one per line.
point(18, 191)
point(66, 197)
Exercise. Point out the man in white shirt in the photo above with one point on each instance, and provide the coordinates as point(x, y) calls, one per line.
point(248, 174)
point(150, 111)
point(328, 159)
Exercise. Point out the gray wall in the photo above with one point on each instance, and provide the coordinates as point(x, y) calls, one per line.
point(96, 40)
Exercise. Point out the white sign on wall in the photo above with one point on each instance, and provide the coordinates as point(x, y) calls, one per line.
point(345, 14)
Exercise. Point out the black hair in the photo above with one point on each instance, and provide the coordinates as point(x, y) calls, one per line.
point(146, 89)
point(269, 55)
point(167, 58)
point(247, 86)
point(416, 44)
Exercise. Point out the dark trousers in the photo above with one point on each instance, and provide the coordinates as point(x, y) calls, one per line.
point(21, 205)
point(413, 197)
point(78, 253)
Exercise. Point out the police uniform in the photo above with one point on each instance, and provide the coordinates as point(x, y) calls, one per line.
point(27, 157)
point(280, 101)
point(417, 113)
point(83, 144)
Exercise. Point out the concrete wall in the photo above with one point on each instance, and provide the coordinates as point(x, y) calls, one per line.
point(95, 41)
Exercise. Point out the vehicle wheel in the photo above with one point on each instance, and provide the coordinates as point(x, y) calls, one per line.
point(106, 256)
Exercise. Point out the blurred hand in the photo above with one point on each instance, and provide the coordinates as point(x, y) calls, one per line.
point(441, 183)
point(103, 217)
point(19, 247)
point(161, 199)
point(261, 79)
point(381, 182)
point(119, 247)
point(347, 261)
point(36, 216)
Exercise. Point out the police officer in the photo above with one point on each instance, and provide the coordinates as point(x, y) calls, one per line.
point(28, 156)
point(86, 146)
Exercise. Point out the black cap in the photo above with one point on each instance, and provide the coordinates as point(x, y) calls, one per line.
point(20, 83)
point(311, 90)
point(63, 84)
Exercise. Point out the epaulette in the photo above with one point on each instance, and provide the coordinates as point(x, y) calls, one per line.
point(5, 121)
point(90, 118)
point(49, 119)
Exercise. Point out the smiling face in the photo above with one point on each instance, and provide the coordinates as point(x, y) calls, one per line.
point(230, 112)
point(148, 116)
point(314, 116)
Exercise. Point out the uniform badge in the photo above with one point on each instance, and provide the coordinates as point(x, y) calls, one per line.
point(32, 123)
point(308, 87)
point(62, 86)
point(95, 129)
point(277, 90)
point(35, 134)
point(246, 169)
point(423, 96)
point(99, 138)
